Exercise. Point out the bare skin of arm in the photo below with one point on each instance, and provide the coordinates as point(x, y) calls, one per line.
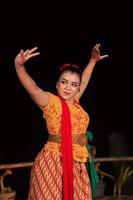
point(39, 96)
point(86, 75)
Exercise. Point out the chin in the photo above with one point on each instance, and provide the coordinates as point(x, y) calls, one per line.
point(65, 97)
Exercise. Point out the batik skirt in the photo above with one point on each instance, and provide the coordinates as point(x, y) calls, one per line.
point(46, 178)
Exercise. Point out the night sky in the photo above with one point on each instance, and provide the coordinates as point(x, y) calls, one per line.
point(65, 32)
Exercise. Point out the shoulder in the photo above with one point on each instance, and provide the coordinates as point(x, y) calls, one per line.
point(53, 100)
point(76, 100)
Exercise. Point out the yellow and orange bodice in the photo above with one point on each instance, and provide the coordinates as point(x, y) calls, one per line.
point(79, 123)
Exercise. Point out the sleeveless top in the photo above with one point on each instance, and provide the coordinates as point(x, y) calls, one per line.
point(79, 123)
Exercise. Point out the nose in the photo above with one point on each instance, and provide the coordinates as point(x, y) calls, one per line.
point(68, 87)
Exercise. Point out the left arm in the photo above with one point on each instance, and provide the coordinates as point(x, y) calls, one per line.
point(86, 75)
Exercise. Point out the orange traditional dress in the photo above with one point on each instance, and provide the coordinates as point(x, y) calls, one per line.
point(46, 173)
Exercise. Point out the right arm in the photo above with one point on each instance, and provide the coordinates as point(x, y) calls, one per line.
point(40, 97)
point(87, 72)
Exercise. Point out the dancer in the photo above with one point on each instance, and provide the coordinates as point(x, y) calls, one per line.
point(59, 170)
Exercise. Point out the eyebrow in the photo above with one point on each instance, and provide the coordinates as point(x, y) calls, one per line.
point(67, 81)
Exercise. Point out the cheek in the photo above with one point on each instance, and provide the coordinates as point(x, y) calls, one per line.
point(75, 90)
point(59, 86)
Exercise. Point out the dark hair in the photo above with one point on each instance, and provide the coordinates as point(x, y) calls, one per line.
point(71, 68)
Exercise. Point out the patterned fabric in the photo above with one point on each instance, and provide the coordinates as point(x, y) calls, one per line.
point(46, 173)
point(52, 114)
point(46, 178)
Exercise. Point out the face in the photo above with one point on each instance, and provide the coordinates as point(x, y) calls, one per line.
point(68, 85)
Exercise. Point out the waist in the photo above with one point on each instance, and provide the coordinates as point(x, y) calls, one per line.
point(80, 139)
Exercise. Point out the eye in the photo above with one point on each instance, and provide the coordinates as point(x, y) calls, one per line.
point(63, 82)
point(74, 84)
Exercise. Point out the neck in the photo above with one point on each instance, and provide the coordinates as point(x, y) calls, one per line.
point(69, 101)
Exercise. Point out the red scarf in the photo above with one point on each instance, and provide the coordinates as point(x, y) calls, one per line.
point(67, 155)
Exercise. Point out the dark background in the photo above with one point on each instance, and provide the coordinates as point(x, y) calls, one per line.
point(65, 32)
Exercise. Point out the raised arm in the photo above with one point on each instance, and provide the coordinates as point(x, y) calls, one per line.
point(40, 97)
point(86, 75)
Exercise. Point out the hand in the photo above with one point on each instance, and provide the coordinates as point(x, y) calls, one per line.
point(95, 54)
point(24, 56)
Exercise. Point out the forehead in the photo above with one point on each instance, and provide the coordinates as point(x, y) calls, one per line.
point(70, 76)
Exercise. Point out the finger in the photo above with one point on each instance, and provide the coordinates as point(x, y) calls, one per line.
point(21, 52)
point(104, 56)
point(96, 50)
point(33, 49)
point(98, 45)
point(33, 55)
point(27, 51)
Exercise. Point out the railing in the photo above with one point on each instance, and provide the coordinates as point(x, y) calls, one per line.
point(100, 159)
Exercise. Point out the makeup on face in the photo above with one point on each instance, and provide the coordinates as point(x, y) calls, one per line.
point(68, 85)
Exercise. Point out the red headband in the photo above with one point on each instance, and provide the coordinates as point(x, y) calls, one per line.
point(68, 65)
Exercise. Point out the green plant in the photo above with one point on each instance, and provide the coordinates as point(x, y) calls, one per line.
point(125, 173)
point(101, 184)
point(119, 182)
point(101, 173)
point(4, 189)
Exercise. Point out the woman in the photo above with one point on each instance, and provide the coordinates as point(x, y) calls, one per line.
point(59, 170)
